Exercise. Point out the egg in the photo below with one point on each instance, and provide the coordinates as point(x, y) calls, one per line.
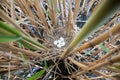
point(55, 42)
point(61, 38)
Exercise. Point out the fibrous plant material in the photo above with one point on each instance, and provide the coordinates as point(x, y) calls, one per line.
point(9, 47)
point(84, 67)
point(17, 33)
point(107, 62)
point(114, 30)
point(6, 18)
point(35, 33)
point(108, 55)
point(77, 4)
point(90, 26)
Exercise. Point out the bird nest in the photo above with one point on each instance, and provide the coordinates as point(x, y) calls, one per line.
point(44, 49)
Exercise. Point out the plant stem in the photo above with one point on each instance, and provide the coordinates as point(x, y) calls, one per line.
point(104, 11)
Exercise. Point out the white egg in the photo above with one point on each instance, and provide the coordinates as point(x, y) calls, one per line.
point(61, 38)
point(59, 41)
point(59, 46)
point(55, 42)
point(62, 43)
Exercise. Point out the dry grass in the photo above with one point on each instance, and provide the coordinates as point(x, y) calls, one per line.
point(55, 19)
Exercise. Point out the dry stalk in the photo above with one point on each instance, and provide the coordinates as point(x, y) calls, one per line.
point(8, 19)
point(114, 30)
point(84, 67)
point(108, 55)
point(77, 4)
point(16, 49)
point(88, 27)
point(41, 14)
point(107, 62)
point(69, 25)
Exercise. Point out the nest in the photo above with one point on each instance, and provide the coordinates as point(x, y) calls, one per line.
point(45, 21)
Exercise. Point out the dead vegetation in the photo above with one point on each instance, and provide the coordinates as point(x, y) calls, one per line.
point(41, 23)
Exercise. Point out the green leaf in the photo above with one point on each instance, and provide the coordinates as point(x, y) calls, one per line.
point(104, 48)
point(37, 75)
point(101, 15)
point(23, 58)
point(4, 32)
point(22, 55)
point(58, 10)
point(19, 44)
point(9, 28)
point(114, 68)
point(34, 42)
point(27, 45)
point(61, 1)
point(51, 3)
point(46, 65)
point(87, 53)
point(118, 68)
point(8, 38)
